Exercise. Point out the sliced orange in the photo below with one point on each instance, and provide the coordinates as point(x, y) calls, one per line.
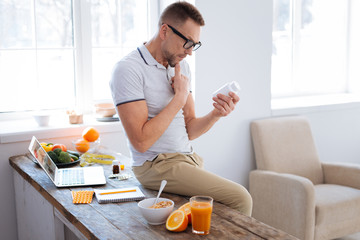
point(177, 221)
point(187, 209)
point(90, 134)
point(82, 145)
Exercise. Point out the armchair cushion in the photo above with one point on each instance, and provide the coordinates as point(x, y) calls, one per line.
point(337, 210)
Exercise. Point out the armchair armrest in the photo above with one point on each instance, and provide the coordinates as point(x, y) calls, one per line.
point(346, 174)
point(284, 201)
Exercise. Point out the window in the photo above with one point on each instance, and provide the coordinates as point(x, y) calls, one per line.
point(59, 54)
point(316, 47)
point(117, 28)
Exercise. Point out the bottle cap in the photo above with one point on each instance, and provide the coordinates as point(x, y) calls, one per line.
point(235, 87)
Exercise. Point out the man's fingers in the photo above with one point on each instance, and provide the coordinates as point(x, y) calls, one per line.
point(224, 98)
point(177, 69)
point(234, 97)
point(220, 108)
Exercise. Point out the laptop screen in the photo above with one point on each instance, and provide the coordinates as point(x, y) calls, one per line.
point(42, 158)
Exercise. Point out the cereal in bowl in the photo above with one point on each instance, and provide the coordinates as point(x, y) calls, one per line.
point(162, 204)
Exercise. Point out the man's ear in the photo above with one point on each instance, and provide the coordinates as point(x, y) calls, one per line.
point(163, 31)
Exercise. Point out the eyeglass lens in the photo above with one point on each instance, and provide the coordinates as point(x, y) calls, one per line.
point(190, 44)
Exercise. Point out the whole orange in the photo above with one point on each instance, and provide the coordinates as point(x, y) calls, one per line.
point(90, 134)
point(82, 145)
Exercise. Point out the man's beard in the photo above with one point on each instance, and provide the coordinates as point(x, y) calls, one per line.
point(170, 58)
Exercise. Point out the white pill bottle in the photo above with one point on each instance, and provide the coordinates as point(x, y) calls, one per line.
point(228, 87)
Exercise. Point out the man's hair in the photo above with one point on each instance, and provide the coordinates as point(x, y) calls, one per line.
point(178, 13)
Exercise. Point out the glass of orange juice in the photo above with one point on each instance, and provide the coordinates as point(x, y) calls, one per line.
point(201, 209)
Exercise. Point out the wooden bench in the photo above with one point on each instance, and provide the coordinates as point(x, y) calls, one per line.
point(47, 212)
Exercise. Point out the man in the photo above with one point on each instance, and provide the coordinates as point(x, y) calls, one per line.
point(151, 89)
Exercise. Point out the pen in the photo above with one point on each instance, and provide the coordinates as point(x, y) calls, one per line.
point(123, 191)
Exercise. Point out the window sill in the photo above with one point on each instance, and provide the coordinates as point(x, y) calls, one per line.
point(309, 104)
point(23, 129)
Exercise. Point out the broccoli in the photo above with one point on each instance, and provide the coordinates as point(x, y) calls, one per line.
point(53, 156)
point(57, 151)
point(64, 157)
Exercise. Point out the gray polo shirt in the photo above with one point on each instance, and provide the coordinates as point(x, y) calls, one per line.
point(138, 76)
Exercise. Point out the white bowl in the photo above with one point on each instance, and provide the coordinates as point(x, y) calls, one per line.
point(155, 216)
point(42, 120)
point(105, 109)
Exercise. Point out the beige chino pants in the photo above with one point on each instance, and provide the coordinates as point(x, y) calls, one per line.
point(185, 176)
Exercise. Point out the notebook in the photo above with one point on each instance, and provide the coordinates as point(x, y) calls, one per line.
point(66, 177)
point(123, 196)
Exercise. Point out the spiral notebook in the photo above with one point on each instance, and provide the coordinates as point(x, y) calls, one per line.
point(119, 195)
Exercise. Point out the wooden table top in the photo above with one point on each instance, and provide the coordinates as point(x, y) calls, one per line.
point(124, 220)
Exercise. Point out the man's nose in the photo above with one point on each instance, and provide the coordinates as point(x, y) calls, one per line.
point(189, 51)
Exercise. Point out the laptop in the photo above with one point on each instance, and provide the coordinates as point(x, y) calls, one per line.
point(66, 177)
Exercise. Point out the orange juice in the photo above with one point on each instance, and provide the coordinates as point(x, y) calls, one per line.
point(201, 216)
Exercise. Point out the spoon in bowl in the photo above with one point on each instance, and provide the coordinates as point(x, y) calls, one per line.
point(163, 183)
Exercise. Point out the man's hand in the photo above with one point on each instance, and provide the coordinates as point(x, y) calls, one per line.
point(224, 105)
point(180, 84)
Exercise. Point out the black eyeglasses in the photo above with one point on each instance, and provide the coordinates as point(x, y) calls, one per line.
point(188, 44)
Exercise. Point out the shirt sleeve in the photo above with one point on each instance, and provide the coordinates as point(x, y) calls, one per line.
point(126, 84)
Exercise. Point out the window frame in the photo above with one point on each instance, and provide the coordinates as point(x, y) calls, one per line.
point(349, 91)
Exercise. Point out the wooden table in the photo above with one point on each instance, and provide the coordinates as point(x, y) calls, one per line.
point(47, 212)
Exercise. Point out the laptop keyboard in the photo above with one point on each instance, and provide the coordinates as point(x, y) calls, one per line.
point(72, 176)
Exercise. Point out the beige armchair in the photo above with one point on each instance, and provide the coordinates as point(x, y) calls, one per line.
point(295, 192)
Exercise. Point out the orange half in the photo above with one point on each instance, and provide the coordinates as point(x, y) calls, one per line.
point(187, 209)
point(177, 221)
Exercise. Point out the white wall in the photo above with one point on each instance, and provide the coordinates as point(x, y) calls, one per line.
point(236, 46)
point(337, 134)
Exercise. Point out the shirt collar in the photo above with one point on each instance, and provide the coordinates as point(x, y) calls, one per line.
point(148, 58)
